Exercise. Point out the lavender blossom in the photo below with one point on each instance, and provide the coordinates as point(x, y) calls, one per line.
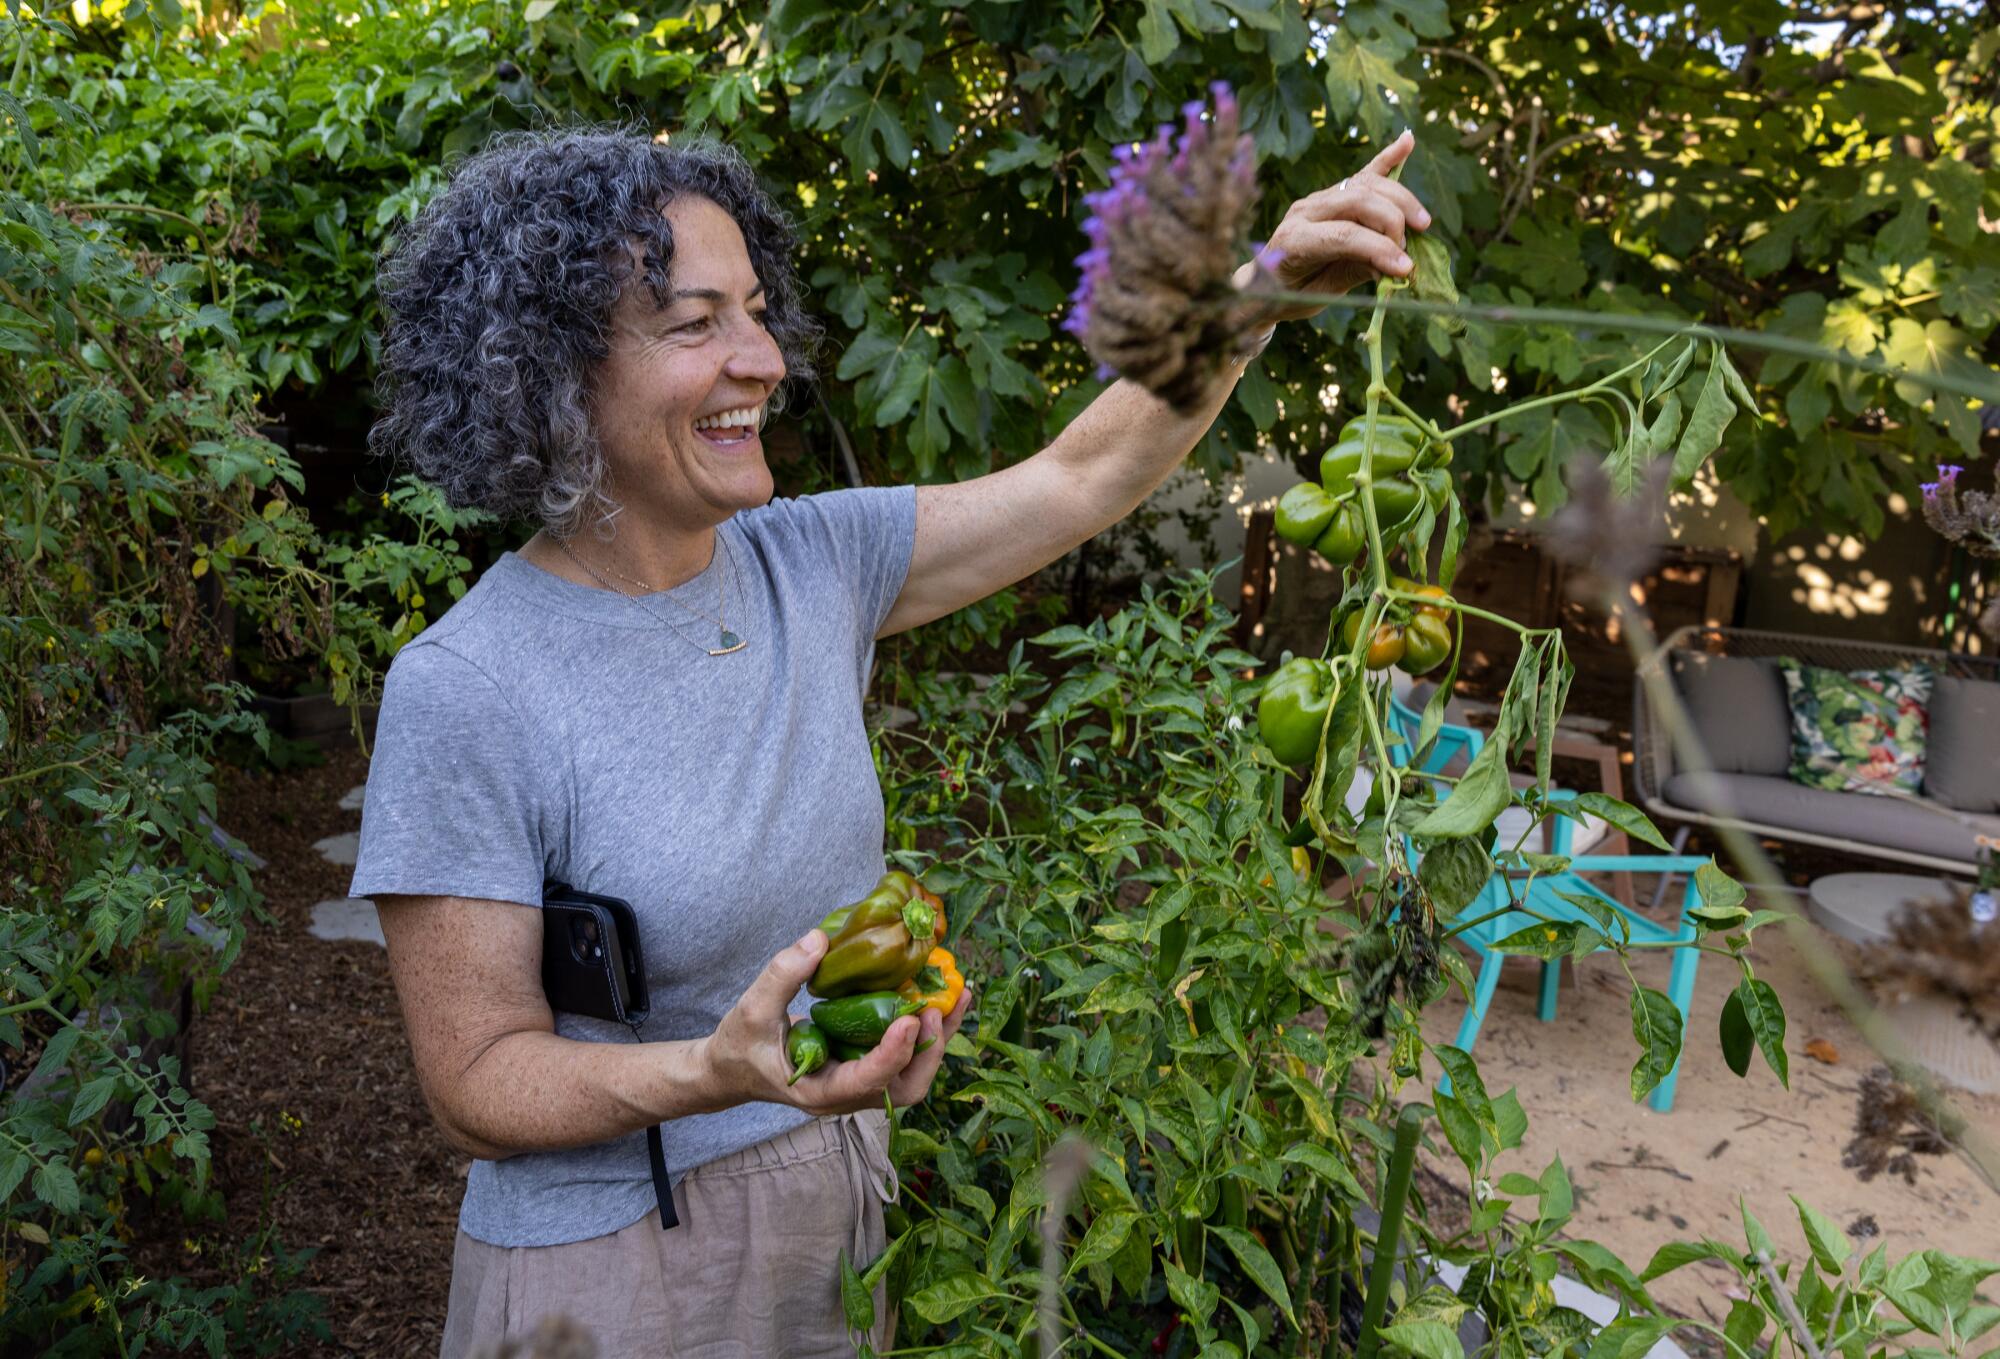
point(1154, 301)
point(1968, 518)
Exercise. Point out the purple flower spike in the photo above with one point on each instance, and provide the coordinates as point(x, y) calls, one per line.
point(1948, 473)
point(1930, 490)
point(1164, 236)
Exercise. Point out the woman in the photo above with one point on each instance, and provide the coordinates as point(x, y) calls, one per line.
point(659, 698)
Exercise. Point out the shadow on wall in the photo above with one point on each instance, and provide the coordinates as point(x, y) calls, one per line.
point(1908, 587)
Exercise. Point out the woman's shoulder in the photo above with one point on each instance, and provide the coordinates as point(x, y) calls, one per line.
point(833, 520)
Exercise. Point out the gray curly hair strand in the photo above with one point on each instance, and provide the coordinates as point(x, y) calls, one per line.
point(497, 301)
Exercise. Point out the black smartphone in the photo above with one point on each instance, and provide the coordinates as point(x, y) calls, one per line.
point(591, 964)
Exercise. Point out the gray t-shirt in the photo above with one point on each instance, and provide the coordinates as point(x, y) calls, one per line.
point(543, 729)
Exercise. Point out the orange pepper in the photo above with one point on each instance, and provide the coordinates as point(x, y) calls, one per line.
point(938, 985)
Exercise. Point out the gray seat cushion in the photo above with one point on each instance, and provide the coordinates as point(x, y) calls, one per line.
point(1863, 818)
point(1962, 766)
point(1739, 711)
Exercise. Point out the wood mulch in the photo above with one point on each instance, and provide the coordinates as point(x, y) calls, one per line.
point(321, 1132)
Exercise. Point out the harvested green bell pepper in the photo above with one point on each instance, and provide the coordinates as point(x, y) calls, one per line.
point(805, 1049)
point(879, 942)
point(1292, 709)
point(860, 1021)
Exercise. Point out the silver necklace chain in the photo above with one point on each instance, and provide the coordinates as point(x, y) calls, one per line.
point(726, 641)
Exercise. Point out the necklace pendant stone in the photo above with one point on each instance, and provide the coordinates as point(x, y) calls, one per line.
point(727, 643)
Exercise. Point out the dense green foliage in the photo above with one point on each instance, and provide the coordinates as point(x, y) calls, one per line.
point(1179, 1095)
point(1704, 161)
point(189, 214)
point(139, 514)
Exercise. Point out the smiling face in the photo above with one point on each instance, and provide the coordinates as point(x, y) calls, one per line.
point(680, 396)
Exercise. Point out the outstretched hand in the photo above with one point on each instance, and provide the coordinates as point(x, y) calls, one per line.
point(747, 1050)
point(1348, 234)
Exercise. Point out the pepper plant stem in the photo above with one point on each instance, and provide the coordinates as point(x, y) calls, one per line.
point(1388, 1239)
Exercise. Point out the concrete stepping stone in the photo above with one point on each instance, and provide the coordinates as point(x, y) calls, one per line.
point(347, 918)
point(350, 801)
point(342, 849)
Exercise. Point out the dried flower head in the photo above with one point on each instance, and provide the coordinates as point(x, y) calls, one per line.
point(1155, 302)
point(1936, 948)
point(1969, 518)
point(1891, 1129)
point(1608, 541)
point(1989, 622)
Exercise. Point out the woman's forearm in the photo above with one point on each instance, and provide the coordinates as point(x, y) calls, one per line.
point(536, 1091)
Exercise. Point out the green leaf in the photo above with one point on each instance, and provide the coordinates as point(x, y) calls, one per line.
point(1765, 1016)
point(55, 1185)
point(1357, 72)
point(1679, 1254)
point(947, 1298)
point(1738, 1043)
point(1482, 793)
point(1157, 35)
point(1717, 889)
point(1629, 1337)
point(1544, 256)
point(1460, 1129)
point(1259, 1265)
point(1466, 1086)
point(1549, 939)
point(1431, 280)
point(1744, 1326)
point(1713, 410)
point(1558, 1198)
point(56, 1051)
point(1754, 1233)
point(1455, 873)
point(856, 1300)
point(1427, 1325)
point(1656, 1023)
point(1426, 1339)
point(94, 1096)
point(1328, 1167)
point(1623, 816)
point(1830, 1246)
point(1106, 1236)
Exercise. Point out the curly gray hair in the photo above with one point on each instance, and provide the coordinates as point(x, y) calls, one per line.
point(498, 300)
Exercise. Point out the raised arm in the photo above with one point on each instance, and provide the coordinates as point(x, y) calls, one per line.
point(978, 536)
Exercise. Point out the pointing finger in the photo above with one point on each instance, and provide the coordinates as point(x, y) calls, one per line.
point(1394, 154)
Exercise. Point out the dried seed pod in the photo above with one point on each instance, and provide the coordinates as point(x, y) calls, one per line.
point(1155, 302)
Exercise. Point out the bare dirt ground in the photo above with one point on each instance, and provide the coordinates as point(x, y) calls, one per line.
point(1643, 1178)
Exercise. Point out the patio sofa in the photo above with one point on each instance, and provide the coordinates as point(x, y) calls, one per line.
point(1730, 684)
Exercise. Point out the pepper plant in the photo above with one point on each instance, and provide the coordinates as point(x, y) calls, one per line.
point(1165, 991)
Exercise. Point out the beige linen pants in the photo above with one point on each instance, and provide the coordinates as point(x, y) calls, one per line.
point(751, 1273)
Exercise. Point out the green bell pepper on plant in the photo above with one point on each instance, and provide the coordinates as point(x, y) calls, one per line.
point(1426, 643)
point(1338, 464)
point(1303, 513)
point(1292, 709)
point(1346, 534)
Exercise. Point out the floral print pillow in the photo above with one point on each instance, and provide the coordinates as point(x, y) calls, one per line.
point(1858, 731)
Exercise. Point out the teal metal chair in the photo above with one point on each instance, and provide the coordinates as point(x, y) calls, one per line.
point(1509, 902)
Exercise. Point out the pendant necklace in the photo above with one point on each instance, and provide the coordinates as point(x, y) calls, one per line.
point(726, 641)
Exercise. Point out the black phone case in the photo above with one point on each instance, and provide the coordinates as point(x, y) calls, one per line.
point(605, 981)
